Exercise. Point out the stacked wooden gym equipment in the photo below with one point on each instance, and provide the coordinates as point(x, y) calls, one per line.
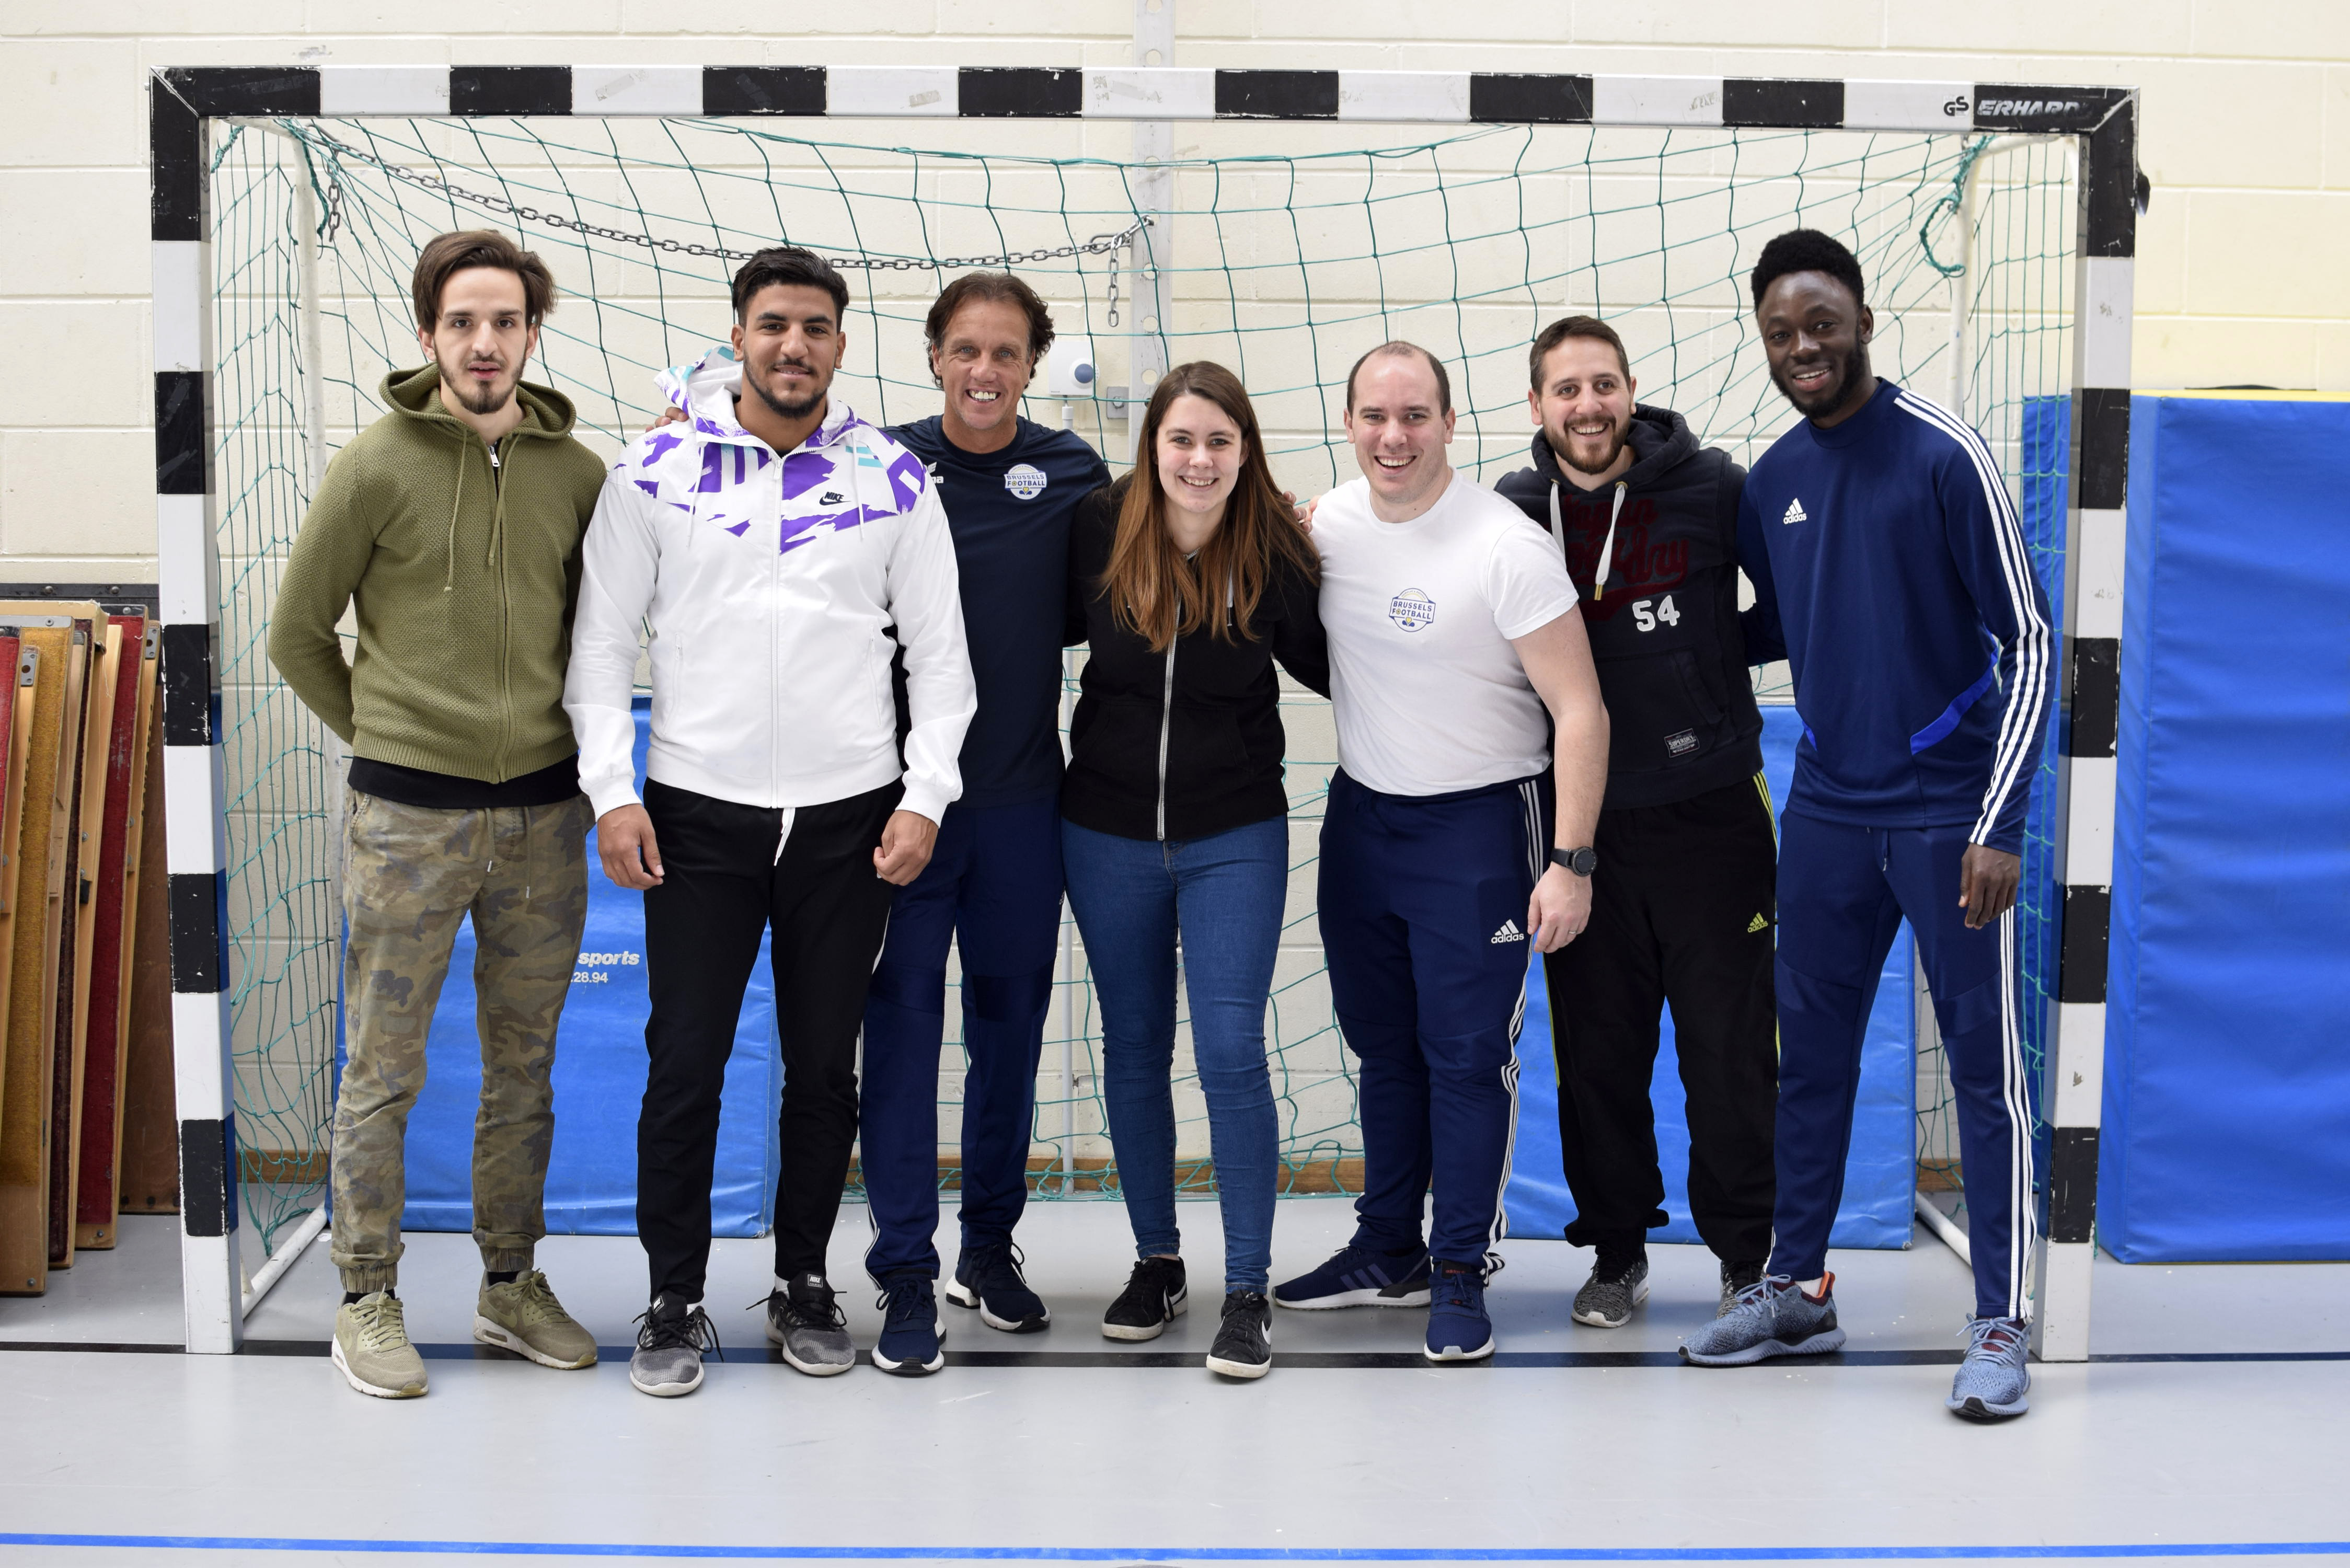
point(87, 1124)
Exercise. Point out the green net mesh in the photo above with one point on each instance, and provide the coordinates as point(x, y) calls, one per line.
point(1283, 265)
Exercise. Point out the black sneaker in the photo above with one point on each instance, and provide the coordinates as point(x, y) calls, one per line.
point(670, 1347)
point(1152, 1299)
point(1244, 1347)
point(1619, 1284)
point(989, 1277)
point(1736, 1277)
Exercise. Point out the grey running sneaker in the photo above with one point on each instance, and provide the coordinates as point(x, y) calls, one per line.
point(522, 1315)
point(1737, 1277)
point(803, 1319)
point(371, 1349)
point(1619, 1283)
point(1770, 1317)
point(1992, 1380)
point(667, 1362)
point(1244, 1347)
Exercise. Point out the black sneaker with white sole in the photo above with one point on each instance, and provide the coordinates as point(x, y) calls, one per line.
point(1735, 1278)
point(1152, 1299)
point(1244, 1347)
point(989, 1277)
point(1619, 1283)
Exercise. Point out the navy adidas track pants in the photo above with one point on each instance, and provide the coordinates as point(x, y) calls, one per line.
point(1423, 909)
point(1842, 891)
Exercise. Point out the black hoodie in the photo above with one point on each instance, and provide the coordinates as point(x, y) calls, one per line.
point(1665, 626)
point(1187, 742)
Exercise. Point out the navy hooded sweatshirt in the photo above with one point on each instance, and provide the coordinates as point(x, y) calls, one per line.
point(1889, 553)
point(1009, 514)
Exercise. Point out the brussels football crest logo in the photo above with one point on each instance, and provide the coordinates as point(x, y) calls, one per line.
point(1025, 480)
point(1412, 611)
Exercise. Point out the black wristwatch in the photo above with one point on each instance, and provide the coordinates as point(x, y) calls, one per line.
point(1582, 862)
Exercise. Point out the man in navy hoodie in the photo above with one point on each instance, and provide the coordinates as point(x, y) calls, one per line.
point(1917, 636)
point(993, 885)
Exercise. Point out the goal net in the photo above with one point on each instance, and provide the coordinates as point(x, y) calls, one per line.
point(1283, 265)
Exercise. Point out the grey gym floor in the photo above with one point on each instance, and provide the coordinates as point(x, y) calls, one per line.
point(2219, 1431)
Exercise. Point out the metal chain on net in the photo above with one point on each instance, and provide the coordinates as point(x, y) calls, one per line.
point(1099, 244)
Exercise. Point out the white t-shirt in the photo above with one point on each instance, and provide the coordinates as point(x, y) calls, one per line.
point(1429, 693)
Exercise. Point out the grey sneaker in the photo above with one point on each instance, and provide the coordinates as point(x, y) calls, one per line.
point(371, 1349)
point(1619, 1283)
point(1992, 1380)
point(524, 1316)
point(1770, 1318)
point(804, 1321)
point(668, 1359)
point(1736, 1278)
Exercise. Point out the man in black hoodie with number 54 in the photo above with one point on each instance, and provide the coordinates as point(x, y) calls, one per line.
point(1683, 907)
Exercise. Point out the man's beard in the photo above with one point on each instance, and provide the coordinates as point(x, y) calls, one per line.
point(784, 411)
point(488, 400)
point(1563, 449)
point(1855, 371)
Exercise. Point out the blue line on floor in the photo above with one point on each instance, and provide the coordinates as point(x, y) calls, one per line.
point(1144, 1555)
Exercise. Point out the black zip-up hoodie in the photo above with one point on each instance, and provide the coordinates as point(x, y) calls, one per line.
point(1665, 626)
point(1187, 742)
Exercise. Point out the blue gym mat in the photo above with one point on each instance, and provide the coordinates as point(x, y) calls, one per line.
point(599, 1081)
point(2227, 1091)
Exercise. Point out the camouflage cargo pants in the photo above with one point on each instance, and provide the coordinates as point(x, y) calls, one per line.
point(410, 874)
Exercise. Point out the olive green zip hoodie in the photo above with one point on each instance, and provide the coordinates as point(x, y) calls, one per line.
point(464, 573)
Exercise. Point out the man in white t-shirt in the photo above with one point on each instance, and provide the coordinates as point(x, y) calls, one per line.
point(1456, 647)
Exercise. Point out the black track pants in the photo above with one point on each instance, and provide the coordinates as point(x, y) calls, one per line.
point(725, 884)
point(1681, 915)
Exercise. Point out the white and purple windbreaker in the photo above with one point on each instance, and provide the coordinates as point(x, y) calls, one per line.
point(769, 583)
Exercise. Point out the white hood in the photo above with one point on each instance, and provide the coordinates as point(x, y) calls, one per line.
point(771, 583)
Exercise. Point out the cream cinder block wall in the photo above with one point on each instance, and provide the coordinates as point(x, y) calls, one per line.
point(2245, 137)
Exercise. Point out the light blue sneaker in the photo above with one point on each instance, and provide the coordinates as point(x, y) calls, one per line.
point(1769, 1318)
point(1457, 1328)
point(1992, 1381)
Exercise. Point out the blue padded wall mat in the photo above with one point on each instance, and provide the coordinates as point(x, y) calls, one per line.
point(2227, 1089)
point(599, 1082)
point(1880, 1174)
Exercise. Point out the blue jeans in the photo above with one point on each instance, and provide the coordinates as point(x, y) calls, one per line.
point(1224, 893)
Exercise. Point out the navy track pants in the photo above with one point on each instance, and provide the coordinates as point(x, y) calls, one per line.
point(994, 887)
point(1423, 906)
point(1842, 891)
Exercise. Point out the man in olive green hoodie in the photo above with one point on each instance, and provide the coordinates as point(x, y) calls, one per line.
point(453, 523)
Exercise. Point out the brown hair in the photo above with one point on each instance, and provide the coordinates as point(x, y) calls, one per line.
point(444, 254)
point(1567, 327)
point(1396, 351)
point(1154, 591)
point(1001, 287)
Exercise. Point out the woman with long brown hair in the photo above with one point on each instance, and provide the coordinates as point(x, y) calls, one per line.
point(1189, 578)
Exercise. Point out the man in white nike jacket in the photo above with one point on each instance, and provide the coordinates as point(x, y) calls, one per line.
point(780, 550)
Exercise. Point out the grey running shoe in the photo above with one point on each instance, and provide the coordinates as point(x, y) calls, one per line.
point(522, 1315)
point(1244, 1347)
point(805, 1322)
point(1737, 1277)
point(1992, 1380)
point(1619, 1283)
point(1771, 1317)
point(667, 1362)
point(371, 1349)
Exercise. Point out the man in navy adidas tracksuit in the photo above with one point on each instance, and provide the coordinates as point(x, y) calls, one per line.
point(1917, 636)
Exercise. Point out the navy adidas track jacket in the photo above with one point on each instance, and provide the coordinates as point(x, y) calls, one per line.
point(1892, 558)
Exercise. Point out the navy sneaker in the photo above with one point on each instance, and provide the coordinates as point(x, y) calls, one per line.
point(1457, 1328)
point(1770, 1317)
point(1359, 1276)
point(910, 1330)
point(989, 1277)
point(1992, 1380)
